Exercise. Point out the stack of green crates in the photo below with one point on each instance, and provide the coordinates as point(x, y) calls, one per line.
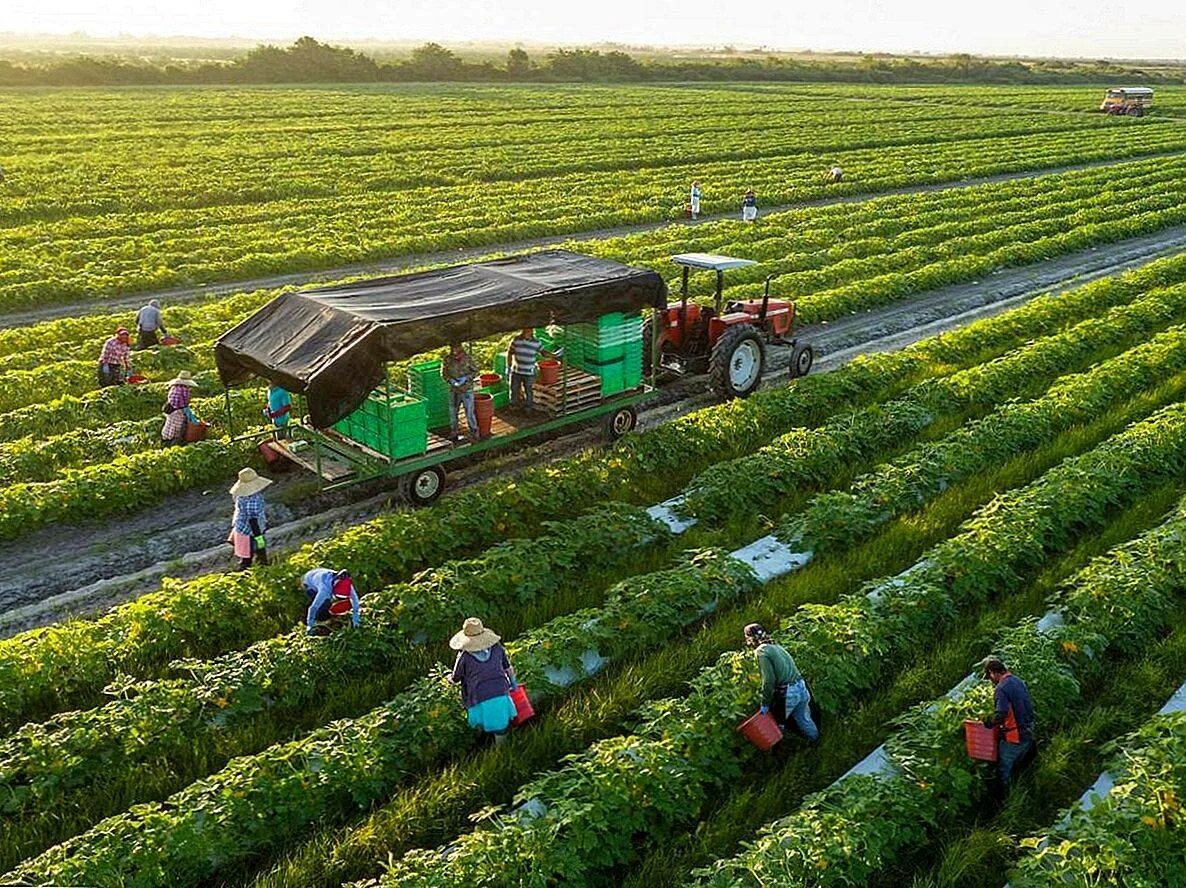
point(393, 423)
point(610, 348)
point(424, 381)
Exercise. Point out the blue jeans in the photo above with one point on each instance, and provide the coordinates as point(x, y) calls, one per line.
point(1008, 754)
point(521, 389)
point(793, 701)
point(456, 400)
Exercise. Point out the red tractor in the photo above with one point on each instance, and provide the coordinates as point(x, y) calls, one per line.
point(729, 345)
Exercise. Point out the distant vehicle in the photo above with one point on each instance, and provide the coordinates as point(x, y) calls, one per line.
point(1134, 101)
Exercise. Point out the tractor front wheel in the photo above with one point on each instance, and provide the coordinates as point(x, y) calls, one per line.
point(735, 368)
point(801, 360)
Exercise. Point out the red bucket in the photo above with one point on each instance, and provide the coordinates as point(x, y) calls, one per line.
point(489, 380)
point(268, 452)
point(523, 708)
point(761, 730)
point(196, 432)
point(137, 378)
point(484, 411)
point(549, 372)
point(981, 742)
point(171, 340)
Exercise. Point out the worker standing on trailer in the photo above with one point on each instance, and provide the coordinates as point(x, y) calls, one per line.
point(279, 410)
point(249, 523)
point(178, 413)
point(149, 323)
point(835, 174)
point(1013, 713)
point(459, 369)
point(484, 672)
point(115, 360)
point(694, 203)
point(749, 206)
point(784, 692)
point(331, 594)
point(522, 357)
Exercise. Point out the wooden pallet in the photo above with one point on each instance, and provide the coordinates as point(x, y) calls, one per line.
point(576, 390)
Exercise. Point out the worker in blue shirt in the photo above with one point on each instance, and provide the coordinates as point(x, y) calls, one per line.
point(279, 410)
point(331, 594)
point(1013, 713)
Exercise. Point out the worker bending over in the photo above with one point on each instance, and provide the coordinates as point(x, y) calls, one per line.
point(178, 414)
point(149, 324)
point(835, 174)
point(1013, 713)
point(115, 360)
point(331, 594)
point(486, 677)
point(784, 692)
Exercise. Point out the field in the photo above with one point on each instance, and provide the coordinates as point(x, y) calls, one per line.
point(989, 457)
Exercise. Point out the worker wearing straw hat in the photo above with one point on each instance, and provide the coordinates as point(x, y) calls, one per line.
point(249, 523)
point(486, 678)
point(178, 413)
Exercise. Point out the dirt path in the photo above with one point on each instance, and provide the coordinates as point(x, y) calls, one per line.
point(62, 570)
point(403, 263)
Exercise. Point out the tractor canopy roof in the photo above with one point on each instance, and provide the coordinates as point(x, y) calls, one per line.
point(710, 261)
point(332, 344)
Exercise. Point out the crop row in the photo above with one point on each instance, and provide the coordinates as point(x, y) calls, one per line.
point(154, 250)
point(864, 822)
point(154, 719)
point(53, 668)
point(590, 814)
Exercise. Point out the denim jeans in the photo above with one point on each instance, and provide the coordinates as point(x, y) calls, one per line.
point(794, 702)
point(1008, 754)
point(456, 400)
point(521, 389)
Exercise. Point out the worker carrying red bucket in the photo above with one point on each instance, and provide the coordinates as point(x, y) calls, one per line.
point(1006, 736)
point(784, 696)
point(494, 700)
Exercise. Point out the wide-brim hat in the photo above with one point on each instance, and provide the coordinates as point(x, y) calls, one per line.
point(183, 378)
point(473, 637)
point(249, 482)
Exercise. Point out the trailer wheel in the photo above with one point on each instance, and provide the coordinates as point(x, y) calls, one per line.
point(621, 421)
point(424, 486)
point(801, 360)
point(735, 368)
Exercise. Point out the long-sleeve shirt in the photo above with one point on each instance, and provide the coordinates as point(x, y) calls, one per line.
point(749, 200)
point(116, 353)
point(247, 508)
point(175, 422)
point(482, 676)
point(149, 319)
point(178, 396)
point(320, 581)
point(1013, 709)
point(279, 406)
point(459, 367)
point(777, 668)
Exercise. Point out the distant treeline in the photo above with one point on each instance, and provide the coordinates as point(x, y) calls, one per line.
point(309, 61)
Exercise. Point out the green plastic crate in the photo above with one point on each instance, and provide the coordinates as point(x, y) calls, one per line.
point(394, 425)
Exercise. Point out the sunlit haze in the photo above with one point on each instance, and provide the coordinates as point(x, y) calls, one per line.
point(1090, 28)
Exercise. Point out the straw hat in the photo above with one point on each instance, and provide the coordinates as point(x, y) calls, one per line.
point(249, 482)
point(473, 637)
point(183, 378)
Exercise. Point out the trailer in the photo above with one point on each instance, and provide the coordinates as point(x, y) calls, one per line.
point(337, 350)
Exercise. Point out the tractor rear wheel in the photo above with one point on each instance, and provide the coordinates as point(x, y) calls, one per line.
point(735, 368)
point(801, 360)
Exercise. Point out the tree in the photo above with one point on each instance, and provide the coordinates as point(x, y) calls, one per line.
point(433, 62)
point(518, 64)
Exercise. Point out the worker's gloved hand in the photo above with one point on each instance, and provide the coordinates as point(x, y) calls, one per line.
point(260, 542)
point(764, 709)
point(514, 684)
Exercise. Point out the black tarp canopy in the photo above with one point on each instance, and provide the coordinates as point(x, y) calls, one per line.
point(331, 344)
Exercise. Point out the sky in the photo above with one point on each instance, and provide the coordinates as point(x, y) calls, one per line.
point(1086, 28)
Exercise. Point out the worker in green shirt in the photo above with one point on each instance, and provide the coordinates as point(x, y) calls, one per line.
point(784, 693)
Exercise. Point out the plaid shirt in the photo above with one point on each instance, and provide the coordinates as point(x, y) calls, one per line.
point(179, 396)
point(116, 353)
point(246, 508)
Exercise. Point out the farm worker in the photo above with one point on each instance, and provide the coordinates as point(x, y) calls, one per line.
point(1013, 712)
point(521, 359)
point(836, 174)
point(279, 410)
point(115, 360)
point(486, 678)
point(148, 324)
point(695, 201)
point(749, 206)
point(331, 594)
point(459, 370)
point(784, 693)
point(178, 413)
point(249, 523)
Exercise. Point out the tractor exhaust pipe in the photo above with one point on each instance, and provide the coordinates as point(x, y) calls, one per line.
point(765, 299)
